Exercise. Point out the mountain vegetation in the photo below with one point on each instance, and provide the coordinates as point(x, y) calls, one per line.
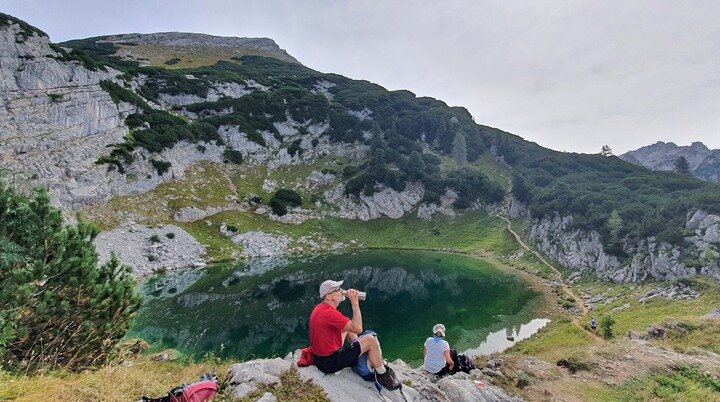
point(60, 308)
point(409, 138)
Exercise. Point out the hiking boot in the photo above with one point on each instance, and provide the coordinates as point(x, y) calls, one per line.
point(388, 379)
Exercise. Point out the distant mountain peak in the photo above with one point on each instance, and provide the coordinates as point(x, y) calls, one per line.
point(704, 162)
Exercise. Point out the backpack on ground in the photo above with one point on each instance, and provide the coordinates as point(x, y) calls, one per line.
point(200, 391)
point(462, 363)
point(465, 364)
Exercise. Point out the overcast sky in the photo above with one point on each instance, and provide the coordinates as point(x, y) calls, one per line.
point(569, 75)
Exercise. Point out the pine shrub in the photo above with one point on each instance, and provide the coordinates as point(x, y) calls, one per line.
point(60, 308)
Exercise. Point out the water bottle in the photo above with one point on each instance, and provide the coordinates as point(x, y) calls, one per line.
point(361, 295)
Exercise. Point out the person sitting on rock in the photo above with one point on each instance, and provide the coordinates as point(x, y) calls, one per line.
point(329, 329)
point(437, 352)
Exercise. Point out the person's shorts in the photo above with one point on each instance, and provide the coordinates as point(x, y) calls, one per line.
point(345, 357)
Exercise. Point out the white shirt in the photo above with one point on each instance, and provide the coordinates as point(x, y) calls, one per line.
point(435, 356)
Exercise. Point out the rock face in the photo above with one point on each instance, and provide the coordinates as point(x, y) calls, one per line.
point(343, 386)
point(57, 122)
point(650, 260)
point(386, 202)
point(704, 163)
point(49, 108)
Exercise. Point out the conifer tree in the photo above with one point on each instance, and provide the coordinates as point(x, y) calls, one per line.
point(60, 308)
point(459, 149)
point(682, 166)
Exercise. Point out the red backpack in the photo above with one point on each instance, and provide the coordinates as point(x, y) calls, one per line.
point(201, 391)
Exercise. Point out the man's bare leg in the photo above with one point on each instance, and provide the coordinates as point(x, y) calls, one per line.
point(371, 345)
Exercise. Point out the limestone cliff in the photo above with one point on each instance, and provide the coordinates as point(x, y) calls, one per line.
point(649, 259)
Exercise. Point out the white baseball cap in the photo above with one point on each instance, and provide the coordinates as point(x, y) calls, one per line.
point(439, 328)
point(327, 286)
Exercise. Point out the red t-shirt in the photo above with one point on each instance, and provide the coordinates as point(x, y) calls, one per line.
point(326, 325)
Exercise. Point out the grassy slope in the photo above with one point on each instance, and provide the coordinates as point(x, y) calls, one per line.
point(561, 339)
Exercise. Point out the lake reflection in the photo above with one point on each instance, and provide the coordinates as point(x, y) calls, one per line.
point(260, 308)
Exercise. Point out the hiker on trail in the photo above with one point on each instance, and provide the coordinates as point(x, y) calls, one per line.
point(593, 324)
point(329, 330)
point(437, 353)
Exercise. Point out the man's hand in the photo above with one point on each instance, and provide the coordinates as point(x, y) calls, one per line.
point(352, 295)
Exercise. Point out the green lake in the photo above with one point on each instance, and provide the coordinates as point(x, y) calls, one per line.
point(260, 307)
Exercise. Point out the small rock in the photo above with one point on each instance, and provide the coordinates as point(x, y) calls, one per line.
point(162, 357)
point(267, 397)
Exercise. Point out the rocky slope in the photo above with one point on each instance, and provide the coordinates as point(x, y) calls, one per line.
point(704, 162)
point(245, 378)
point(648, 260)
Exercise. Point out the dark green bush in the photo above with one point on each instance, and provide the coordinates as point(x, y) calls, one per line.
point(284, 198)
point(232, 156)
point(160, 166)
point(606, 324)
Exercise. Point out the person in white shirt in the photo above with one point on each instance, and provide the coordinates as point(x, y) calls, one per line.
point(437, 353)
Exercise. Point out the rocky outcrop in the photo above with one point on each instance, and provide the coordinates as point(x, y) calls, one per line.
point(704, 163)
point(149, 250)
point(216, 91)
point(583, 250)
point(259, 244)
point(679, 291)
point(386, 202)
point(245, 378)
point(427, 211)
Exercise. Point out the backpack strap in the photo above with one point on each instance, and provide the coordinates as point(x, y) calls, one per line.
point(160, 399)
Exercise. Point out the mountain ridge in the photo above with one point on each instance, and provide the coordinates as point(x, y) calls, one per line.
point(349, 148)
point(704, 162)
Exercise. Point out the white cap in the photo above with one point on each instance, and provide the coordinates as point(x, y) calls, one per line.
point(328, 286)
point(439, 328)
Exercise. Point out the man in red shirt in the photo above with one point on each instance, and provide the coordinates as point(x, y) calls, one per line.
point(329, 329)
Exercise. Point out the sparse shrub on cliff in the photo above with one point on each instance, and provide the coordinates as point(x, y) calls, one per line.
point(161, 166)
point(232, 156)
point(60, 308)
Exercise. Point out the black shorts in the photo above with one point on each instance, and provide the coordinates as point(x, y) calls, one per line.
point(345, 357)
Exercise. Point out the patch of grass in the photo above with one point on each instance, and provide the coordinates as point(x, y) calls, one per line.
point(641, 315)
point(159, 56)
point(681, 384)
point(556, 341)
point(119, 382)
point(472, 232)
point(205, 185)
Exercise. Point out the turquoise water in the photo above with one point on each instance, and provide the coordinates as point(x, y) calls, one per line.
point(260, 307)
